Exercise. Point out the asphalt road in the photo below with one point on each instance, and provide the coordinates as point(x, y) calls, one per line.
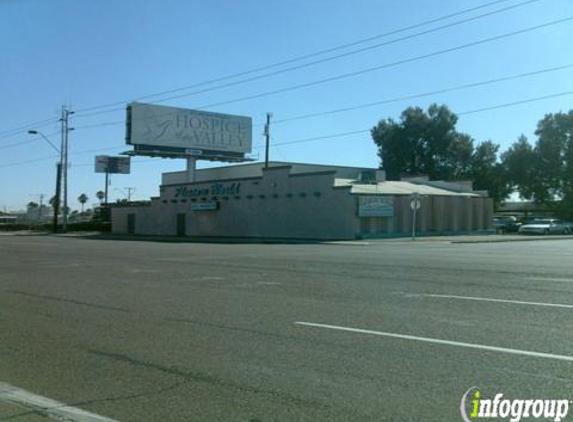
point(160, 332)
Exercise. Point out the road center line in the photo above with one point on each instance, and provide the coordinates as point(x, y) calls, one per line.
point(489, 299)
point(558, 280)
point(47, 407)
point(442, 342)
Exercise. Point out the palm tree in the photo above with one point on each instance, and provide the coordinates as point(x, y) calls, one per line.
point(83, 198)
point(100, 195)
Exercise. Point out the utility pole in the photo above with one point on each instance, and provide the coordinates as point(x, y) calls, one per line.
point(65, 131)
point(40, 209)
point(41, 195)
point(58, 195)
point(268, 138)
point(129, 190)
point(58, 174)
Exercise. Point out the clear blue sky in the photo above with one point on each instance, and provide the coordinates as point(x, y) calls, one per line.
point(87, 53)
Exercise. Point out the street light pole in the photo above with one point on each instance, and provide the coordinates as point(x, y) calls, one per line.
point(58, 178)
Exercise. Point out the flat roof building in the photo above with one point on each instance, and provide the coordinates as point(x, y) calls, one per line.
point(303, 201)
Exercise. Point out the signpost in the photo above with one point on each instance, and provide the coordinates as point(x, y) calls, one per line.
point(111, 165)
point(415, 204)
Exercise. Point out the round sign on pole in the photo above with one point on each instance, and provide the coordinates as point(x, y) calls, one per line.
point(415, 204)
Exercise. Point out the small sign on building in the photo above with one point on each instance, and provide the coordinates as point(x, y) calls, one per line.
point(376, 206)
point(205, 206)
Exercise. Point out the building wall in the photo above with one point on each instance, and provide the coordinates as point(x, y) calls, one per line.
point(277, 205)
point(280, 204)
point(437, 215)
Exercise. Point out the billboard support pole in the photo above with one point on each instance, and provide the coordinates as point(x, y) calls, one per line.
point(106, 184)
point(268, 139)
point(191, 165)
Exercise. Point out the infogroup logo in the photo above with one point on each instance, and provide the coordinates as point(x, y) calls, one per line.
point(474, 407)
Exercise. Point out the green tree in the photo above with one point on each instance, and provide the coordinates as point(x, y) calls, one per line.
point(423, 142)
point(554, 150)
point(519, 162)
point(427, 143)
point(544, 172)
point(488, 173)
point(100, 195)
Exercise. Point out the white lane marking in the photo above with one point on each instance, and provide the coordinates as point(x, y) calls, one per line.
point(489, 299)
point(559, 280)
point(48, 407)
point(443, 342)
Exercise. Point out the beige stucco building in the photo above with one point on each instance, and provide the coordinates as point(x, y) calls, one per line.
point(303, 201)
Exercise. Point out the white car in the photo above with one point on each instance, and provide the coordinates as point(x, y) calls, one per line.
point(545, 226)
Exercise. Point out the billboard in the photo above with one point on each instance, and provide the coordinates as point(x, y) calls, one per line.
point(375, 206)
point(107, 164)
point(170, 130)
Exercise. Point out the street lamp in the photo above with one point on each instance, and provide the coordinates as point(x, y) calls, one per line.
point(58, 177)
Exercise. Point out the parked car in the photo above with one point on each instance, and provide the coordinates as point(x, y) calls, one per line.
point(506, 224)
point(545, 226)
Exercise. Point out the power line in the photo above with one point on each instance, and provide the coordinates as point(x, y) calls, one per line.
point(425, 94)
point(51, 157)
point(361, 50)
point(19, 131)
point(41, 123)
point(37, 122)
point(316, 138)
point(389, 65)
point(301, 57)
point(474, 111)
point(323, 60)
point(367, 70)
point(17, 144)
point(514, 103)
point(392, 100)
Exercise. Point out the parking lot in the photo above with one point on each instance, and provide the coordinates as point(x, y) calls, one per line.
point(347, 331)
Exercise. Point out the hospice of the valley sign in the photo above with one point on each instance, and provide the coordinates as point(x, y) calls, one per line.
point(187, 132)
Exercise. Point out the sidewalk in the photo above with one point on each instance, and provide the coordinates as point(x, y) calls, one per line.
point(492, 238)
